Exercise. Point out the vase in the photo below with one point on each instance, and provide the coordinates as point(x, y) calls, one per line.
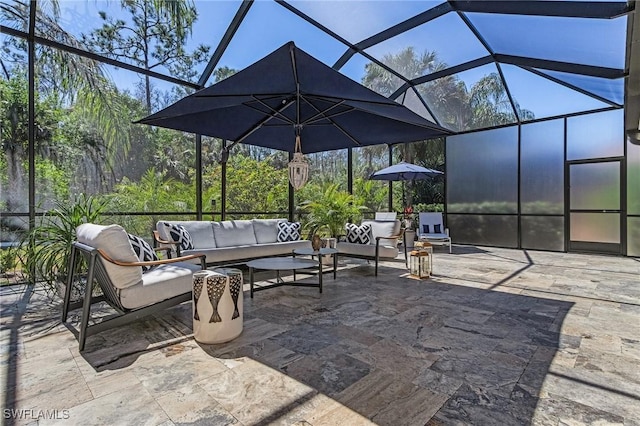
point(409, 238)
point(316, 242)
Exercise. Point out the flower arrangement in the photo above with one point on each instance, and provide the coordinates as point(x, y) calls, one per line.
point(408, 217)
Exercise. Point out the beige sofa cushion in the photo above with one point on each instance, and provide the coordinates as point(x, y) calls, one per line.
point(113, 239)
point(201, 232)
point(230, 233)
point(266, 230)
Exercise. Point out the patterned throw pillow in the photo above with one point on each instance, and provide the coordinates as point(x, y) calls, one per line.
point(358, 234)
point(288, 231)
point(143, 250)
point(179, 235)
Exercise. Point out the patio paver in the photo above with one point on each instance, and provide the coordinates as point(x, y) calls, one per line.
point(497, 336)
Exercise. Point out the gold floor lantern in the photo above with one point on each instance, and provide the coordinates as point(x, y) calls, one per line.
point(421, 262)
point(298, 167)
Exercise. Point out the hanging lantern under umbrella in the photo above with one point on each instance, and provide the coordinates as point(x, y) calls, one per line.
point(298, 167)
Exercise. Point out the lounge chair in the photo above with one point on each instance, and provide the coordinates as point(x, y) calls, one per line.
point(386, 216)
point(114, 265)
point(432, 229)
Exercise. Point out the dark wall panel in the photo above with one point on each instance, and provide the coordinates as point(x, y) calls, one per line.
point(633, 236)
point(542, 167)
point(482, 172)
point(490, 230)
point(543, 232)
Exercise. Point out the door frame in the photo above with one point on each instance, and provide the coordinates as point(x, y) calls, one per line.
point(595, 247)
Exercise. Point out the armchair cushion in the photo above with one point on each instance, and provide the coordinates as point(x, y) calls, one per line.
point(358, 234)
point(366, 250)
point(381, 228)
point(288, 231)
point(179, 235)
point(161, 283)
point(114, 241)
point(143, 250)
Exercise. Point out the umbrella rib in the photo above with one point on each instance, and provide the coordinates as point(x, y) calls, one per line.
point(328, 116)
point(327, 98)
point(274, 111)
point(259, 125)
point(389, 104)
point(337, 126)
point(319, 115)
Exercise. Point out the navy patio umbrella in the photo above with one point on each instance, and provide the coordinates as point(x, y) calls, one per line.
point(404, 171)
point(289, 93)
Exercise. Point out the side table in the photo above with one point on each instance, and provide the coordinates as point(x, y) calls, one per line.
point(217, 305)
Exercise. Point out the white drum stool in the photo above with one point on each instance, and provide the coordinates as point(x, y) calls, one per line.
point(217, 305)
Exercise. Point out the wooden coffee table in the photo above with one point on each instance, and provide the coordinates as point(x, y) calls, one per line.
point(282, 264)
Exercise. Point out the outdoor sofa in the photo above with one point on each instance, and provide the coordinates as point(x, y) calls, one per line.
point(231, 241)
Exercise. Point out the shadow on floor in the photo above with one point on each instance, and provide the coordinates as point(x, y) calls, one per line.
point(388, 347)
point(465, 347)
point(394, 347)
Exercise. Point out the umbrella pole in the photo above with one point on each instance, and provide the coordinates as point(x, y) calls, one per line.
point(404, 199)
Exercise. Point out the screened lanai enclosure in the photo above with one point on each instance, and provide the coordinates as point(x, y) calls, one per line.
point(541, 99)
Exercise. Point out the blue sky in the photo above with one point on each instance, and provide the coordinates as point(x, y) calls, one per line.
point(268, 26)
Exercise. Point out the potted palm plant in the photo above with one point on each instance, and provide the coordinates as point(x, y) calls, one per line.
point(46, 248)
point(328, 214)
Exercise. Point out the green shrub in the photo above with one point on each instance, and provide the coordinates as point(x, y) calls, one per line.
point(7, 261)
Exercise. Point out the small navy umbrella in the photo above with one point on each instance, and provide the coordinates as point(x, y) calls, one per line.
point(404, 171)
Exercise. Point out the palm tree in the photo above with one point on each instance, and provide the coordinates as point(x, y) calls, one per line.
point(71, 78)
point(330, 211)
point(407, 63)
point(74, 79)
point(490, 104)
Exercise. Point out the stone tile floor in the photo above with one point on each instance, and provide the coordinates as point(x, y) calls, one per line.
point(496, 337)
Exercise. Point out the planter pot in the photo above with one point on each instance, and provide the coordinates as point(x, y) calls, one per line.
point(410, 238)
point(316, 242)
point(328, 243)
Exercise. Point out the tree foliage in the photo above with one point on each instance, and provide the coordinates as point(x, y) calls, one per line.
point(86, 143)
point(151, 40)
point(455, 105)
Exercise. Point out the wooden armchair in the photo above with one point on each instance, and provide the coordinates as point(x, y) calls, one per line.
point(114, 266)
point(383, 243)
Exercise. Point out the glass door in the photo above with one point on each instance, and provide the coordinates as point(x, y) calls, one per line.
point(595, 206)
